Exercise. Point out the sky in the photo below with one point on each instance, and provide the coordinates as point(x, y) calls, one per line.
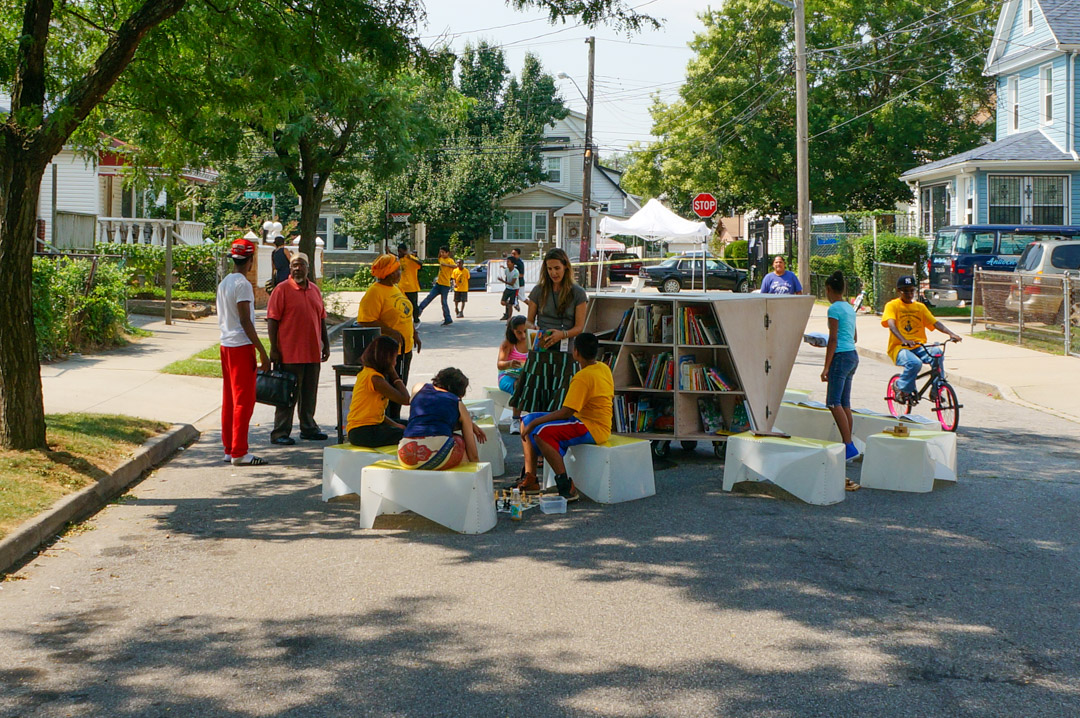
point(629, 70)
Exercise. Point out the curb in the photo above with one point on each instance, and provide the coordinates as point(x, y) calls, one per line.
point(983, 387)
point(91, 499)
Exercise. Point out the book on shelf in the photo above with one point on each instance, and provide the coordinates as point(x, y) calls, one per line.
point(652, 324)
point(740, 419)
point(609, 359)
point(632, 415)
point(641, 366)
point(698, 327)
point(624, 323)
point(712, 416)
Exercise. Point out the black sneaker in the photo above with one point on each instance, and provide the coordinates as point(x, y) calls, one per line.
point(566, 487)
point(447, 323)
point(571, 495)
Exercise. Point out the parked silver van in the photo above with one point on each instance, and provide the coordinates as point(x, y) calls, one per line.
point(1042, 265)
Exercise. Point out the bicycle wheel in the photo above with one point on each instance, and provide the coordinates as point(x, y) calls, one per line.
point(946, 406)
point(895, 407)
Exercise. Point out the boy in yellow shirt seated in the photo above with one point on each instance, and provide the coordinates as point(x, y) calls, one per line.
point(584, 418)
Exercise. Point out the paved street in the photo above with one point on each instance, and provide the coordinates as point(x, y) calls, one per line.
point(218, 591)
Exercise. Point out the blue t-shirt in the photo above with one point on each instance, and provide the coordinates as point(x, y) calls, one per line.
point(844, 314)
point(432, 413)
point(787, 283)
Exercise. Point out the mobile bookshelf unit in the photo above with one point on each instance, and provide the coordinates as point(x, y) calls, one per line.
point(697, 366)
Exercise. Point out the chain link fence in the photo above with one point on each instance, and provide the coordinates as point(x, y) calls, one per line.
point(1042, 310)
point(885, 276)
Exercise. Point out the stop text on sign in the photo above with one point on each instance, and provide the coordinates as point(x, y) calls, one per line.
point(704, 205)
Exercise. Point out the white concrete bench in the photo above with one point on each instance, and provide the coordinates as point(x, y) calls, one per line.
point(809, 469)
point(618, 470)
point(910, 463)
point(342, 465)
point(479, 407)
point(500, 399)
point(796, 395)
point(461, 499)
point(817, 423)
point(492, 451)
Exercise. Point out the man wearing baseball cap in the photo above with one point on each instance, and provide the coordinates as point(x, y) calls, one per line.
point(907, 321)
point(239, 343)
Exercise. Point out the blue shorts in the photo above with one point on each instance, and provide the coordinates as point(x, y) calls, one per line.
point(507, 383)
point(841, 375)
point(561, 434)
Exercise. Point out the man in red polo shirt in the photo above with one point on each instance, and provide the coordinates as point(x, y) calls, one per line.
point(298, 343)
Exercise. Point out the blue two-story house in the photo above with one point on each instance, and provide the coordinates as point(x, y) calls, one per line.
point(1030, 174)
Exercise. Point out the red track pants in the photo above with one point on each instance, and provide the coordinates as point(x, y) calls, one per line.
point(237, 397)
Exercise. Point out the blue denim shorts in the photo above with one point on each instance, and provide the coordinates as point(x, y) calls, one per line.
point(841, 374)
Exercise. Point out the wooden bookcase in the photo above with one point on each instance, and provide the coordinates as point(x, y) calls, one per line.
point(755, 340)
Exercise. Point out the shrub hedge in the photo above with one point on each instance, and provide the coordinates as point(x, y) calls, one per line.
point(195, 267)
point(78, 306)
point(891, 248)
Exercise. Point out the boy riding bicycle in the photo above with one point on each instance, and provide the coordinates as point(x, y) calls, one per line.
point(907, 321)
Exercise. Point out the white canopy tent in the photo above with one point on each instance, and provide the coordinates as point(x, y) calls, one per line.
point(655, 222)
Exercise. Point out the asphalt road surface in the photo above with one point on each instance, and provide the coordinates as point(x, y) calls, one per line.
point(219, 591)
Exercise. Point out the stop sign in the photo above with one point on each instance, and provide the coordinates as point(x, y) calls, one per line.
point(704, 205)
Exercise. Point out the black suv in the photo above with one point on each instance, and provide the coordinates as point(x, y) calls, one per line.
point(677, 273)
point(626, 265)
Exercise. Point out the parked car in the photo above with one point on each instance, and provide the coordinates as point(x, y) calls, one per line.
point(957, 250)
point(478, 278)
point(1042, 265)
point(626, 265)
point(677, 273)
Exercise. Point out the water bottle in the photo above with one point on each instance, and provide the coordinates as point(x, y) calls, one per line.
point(515, 505)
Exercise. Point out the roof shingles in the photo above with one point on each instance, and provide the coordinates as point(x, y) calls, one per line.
point(1021, 147)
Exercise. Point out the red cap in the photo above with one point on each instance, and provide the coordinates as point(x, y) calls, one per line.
point(242, 249)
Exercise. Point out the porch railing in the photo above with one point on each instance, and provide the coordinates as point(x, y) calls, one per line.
point(141, 230)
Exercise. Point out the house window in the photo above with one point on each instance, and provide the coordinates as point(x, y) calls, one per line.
point(554, 170)
point(1046, 92)
point(340, 238)
point(1005, 200)
point(521, 226)
point(1014, 103)
point(934, 203)
point(1028, 200)
point(1029, 16)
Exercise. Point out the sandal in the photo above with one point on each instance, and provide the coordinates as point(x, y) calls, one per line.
point(249, 460)
point(528, 484)
point(850, 485)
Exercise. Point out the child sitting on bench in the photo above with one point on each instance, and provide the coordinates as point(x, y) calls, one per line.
point(435, 411)
point(584, 418)
point(377, 385)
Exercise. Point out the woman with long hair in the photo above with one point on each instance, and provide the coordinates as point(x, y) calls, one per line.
point(557, 307)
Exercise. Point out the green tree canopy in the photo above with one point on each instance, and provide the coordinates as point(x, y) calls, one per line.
point(892, 84)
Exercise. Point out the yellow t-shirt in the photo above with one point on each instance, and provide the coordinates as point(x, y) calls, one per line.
point(410, 270)
point(590, 395)
point(368, 406)
point(461, 279)
point(912, 321)
point(390, 308)
point(446, 268)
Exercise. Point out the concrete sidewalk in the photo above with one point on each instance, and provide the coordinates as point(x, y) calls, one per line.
point(129, 380)
point(1031, 378)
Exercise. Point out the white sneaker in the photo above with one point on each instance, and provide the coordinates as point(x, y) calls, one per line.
point(515, 426)
point(227, 459)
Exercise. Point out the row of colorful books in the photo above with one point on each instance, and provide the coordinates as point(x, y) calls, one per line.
point(698, 327)
point(699, 377)
point(654, 372)
point(632, 415)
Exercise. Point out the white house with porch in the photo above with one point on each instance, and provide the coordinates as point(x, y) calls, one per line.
point(1030, 174)
point(549, 213)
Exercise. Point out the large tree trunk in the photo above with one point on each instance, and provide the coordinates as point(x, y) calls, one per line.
point(22, 413)
point(311, 194)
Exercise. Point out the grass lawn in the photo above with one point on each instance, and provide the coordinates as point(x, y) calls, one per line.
point(83, 448)
point(956, 311)
point(1042, 344)
point(205, 363)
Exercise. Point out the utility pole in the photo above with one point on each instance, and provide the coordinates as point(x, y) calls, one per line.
point(586, 175)
point(802, 153)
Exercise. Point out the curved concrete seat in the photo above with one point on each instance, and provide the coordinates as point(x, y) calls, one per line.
point(342, 465)
point(809, 469)
point(461, 499)
point(618, 470)
point(910, 463)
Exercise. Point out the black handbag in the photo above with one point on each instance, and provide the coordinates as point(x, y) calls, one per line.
point(276, 387)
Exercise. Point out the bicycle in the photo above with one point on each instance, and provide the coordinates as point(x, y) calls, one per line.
point(940, 391)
